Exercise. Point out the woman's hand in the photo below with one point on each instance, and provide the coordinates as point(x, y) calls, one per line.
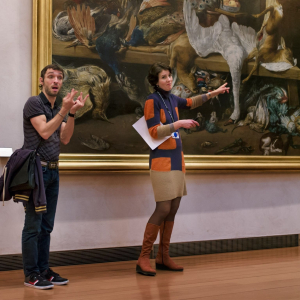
point(221, 90)
point(185, 124)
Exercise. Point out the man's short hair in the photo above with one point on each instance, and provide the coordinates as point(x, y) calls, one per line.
point(53, 67)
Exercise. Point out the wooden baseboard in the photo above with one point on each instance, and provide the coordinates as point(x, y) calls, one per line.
point(102, 255)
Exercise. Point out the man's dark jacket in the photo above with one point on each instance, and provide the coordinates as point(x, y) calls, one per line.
point(14, 163)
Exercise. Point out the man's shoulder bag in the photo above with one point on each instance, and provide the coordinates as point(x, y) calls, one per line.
point(24, 178)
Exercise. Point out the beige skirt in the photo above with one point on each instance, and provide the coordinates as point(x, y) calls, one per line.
point(168, 185)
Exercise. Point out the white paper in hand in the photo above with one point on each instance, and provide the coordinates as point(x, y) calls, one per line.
point(141, 127)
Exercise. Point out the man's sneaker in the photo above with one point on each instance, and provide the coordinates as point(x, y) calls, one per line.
point(36, 281)
point(54, 277)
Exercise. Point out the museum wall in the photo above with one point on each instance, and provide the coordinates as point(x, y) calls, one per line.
point(111, 209)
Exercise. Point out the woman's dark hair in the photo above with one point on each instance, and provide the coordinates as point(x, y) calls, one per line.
point(53, 67)
point(154, 71)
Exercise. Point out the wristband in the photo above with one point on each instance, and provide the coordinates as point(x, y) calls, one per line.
point(60, 115)
point(71, 115)
point(209, 94)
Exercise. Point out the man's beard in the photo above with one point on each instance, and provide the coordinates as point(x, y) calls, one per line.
point(49, 92)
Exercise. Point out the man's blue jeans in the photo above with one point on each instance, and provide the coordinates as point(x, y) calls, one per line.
point(37, 227)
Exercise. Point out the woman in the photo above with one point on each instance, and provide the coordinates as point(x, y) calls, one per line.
point(167, 168)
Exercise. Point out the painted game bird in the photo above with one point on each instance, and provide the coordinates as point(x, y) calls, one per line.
point(104, 13)
point(163, 31)
point(234, 42)
point(108, 43)
point(158, 22)
point(90, 80)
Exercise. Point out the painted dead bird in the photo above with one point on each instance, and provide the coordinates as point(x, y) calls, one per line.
point(61, 27)
point(95, 143)
point(108, 43)
point(233, 42)
point(151, 10)
point(289, 122)
point(208, 144)
point(271, 143)
point(214, 83)
point(162, 31)
point(206, 5)
point(202, 77)
point(270, 49)
point(276, 98)
point(104, 13)
point(269, 110)
point(158, 23)
point(90, 80)
point(236, 147)
point(211, 125)
point(248, 120)
point(201, 121)
point(181, 91)
point(269, 103)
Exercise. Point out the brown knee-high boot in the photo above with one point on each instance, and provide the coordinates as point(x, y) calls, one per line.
point(163, 259)
point(143, 265)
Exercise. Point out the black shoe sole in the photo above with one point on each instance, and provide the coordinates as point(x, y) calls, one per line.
point(140, 271)
point(60, 283)
point(39, 287)
point(164, 267)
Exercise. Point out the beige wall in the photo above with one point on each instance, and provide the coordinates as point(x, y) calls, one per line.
point(110, 210)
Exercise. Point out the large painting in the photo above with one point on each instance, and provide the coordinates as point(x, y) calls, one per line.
point(106, 49)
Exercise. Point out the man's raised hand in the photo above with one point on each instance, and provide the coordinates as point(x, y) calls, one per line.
point(67, 102)
point(79, 103)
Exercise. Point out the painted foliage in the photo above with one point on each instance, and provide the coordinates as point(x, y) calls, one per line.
point(106, 48)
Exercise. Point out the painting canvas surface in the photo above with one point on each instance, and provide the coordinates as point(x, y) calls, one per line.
point(107, 47)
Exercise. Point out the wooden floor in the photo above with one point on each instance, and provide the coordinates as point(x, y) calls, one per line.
point(254, 275)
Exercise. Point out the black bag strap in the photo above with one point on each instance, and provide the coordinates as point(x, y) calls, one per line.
point(39, 145)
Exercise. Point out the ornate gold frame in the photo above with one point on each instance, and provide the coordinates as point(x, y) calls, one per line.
point(42, 55)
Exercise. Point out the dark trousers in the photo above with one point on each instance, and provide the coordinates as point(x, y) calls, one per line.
point(37, 227)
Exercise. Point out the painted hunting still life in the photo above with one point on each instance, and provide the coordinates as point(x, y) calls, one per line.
point(107, 46)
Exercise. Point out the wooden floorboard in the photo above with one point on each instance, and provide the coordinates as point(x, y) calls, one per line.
point(272, 274)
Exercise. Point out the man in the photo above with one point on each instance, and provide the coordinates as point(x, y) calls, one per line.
point(45, 126)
